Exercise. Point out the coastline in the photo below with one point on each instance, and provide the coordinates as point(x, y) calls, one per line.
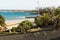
point(15, 23)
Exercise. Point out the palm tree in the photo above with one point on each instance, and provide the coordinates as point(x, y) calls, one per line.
point(2, 21)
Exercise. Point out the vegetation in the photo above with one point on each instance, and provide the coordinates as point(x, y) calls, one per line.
point(2, 23)
point(57, 11)
point(25, 25)
point(43, 20)
point(50, 17)
point(58, 20)
point(14, 29)
point(18, 29)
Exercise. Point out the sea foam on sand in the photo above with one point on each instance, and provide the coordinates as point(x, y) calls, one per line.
point(15, 23)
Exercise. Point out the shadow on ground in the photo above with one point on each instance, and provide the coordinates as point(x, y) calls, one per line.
point(58, 38)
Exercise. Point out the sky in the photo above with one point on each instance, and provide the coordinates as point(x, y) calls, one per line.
point(27, 4)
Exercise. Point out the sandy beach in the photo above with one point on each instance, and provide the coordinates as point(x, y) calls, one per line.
point(15, 23)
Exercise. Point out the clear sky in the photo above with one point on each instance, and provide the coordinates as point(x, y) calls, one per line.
point(27, 4)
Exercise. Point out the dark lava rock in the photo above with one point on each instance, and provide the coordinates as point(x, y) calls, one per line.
point(42, 35)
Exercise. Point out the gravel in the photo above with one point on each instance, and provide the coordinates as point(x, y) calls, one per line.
point(42, 35)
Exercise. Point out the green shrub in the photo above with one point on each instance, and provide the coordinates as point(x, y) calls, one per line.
point(18, 29)
point(57, 11)
point(43, 20)
point(58, 21)
point(25, 25)
point(14, 29)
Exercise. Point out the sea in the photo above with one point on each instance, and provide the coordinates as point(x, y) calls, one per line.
point(17, 15)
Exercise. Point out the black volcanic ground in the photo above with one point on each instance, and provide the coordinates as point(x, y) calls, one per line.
point(42, 35)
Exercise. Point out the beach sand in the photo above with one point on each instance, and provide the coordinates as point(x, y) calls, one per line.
point(15, 23)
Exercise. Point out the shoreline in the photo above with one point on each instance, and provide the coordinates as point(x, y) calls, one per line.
point(15, 23)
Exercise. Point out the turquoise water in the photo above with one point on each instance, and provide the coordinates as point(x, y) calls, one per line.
point(16, 15)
